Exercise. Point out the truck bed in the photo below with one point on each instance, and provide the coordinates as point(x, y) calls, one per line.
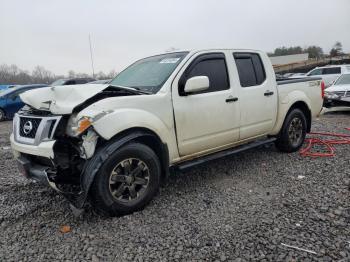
point(284, 81)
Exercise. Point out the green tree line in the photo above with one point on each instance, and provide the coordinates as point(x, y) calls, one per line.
point(313, 51)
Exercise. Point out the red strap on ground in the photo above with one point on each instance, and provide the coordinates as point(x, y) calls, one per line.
point(327, 144)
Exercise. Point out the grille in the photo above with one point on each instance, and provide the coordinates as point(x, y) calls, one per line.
point(35, 122)
point(52, 124)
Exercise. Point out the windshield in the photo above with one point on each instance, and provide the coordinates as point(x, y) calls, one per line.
point(58, 82)
point(343, 80)
point(149, 74)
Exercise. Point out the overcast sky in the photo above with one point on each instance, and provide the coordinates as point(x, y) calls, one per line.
point(55, 34)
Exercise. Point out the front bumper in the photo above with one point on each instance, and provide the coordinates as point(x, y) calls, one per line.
point(44, 149)
point(32, 171)
point(344, 102)
point(43, 174)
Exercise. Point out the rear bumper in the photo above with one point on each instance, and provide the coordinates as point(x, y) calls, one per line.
point(44, 149)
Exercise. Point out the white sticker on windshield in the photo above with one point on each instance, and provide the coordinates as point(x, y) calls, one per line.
point(169, 60)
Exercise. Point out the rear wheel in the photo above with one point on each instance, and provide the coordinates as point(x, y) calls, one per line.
point(2, 115)
point(293, 132)
point(127, 181)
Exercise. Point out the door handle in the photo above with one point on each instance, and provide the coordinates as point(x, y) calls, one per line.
point(268, 93)
point(231, 99)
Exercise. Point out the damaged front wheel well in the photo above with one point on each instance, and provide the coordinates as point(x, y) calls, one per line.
point(152, 140)
point(106, 148)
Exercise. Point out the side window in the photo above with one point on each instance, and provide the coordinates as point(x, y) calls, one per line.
point(70, 82)
point(80, 81)
point(331, 70)
point(315, 72)
point(250, 69)
point(211, 65)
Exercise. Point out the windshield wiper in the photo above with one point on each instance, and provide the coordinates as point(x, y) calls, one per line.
point(134, 90)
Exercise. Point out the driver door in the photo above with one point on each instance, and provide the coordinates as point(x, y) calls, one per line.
point(207, 119)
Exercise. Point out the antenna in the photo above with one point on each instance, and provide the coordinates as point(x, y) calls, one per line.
point(92, 60)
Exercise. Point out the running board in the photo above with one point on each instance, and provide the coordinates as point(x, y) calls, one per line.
point(228, 152)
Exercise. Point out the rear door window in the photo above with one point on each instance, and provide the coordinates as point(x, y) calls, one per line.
point(331, 70)
point(250, 68)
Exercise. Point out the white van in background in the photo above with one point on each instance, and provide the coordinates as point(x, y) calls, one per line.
point(328, 73)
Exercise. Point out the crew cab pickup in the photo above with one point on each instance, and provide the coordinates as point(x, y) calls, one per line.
point(117, 142)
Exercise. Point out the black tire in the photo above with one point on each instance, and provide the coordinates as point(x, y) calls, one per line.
point(293, 132)
point(2, 115)
point(115, 175)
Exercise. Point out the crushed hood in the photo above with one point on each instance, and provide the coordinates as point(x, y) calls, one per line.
point(60, 99)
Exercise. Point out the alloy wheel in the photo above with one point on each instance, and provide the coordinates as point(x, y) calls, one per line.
point(129, 180)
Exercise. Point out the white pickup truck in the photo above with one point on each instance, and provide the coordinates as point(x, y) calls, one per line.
point(117, 142)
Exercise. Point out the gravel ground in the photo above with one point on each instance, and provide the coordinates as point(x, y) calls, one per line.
point(240, 208)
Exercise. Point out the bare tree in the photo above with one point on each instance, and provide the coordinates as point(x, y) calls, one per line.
point(111, 74)
point(13, 75)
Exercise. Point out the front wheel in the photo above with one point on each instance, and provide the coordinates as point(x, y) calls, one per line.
point(293, 132)
point(127, 180)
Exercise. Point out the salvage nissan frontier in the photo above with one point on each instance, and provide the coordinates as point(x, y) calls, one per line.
point(114, 144)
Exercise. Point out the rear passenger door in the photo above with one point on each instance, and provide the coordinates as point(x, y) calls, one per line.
point(257, 95)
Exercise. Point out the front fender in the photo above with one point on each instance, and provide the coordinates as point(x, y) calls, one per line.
point(119, 120)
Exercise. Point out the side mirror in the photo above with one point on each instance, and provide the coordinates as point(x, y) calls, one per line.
point(196, 84)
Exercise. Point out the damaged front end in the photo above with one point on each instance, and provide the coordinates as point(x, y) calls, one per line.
point(54, 150)
point(55, 143)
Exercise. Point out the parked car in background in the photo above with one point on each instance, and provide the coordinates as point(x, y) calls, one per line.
point(286, 75)
point(5, 87)
point(328, 73)
point(279, 76)
point(296, 75)
point(10, 101)
point(104, 81)
point(72, 81)
point(338, 92)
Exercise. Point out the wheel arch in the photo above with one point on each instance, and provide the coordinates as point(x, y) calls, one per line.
point(151, 139)
point(286, 107)
point(106, 148)
point(305, 109)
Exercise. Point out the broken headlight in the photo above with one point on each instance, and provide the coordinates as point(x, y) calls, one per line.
point(76, 126)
